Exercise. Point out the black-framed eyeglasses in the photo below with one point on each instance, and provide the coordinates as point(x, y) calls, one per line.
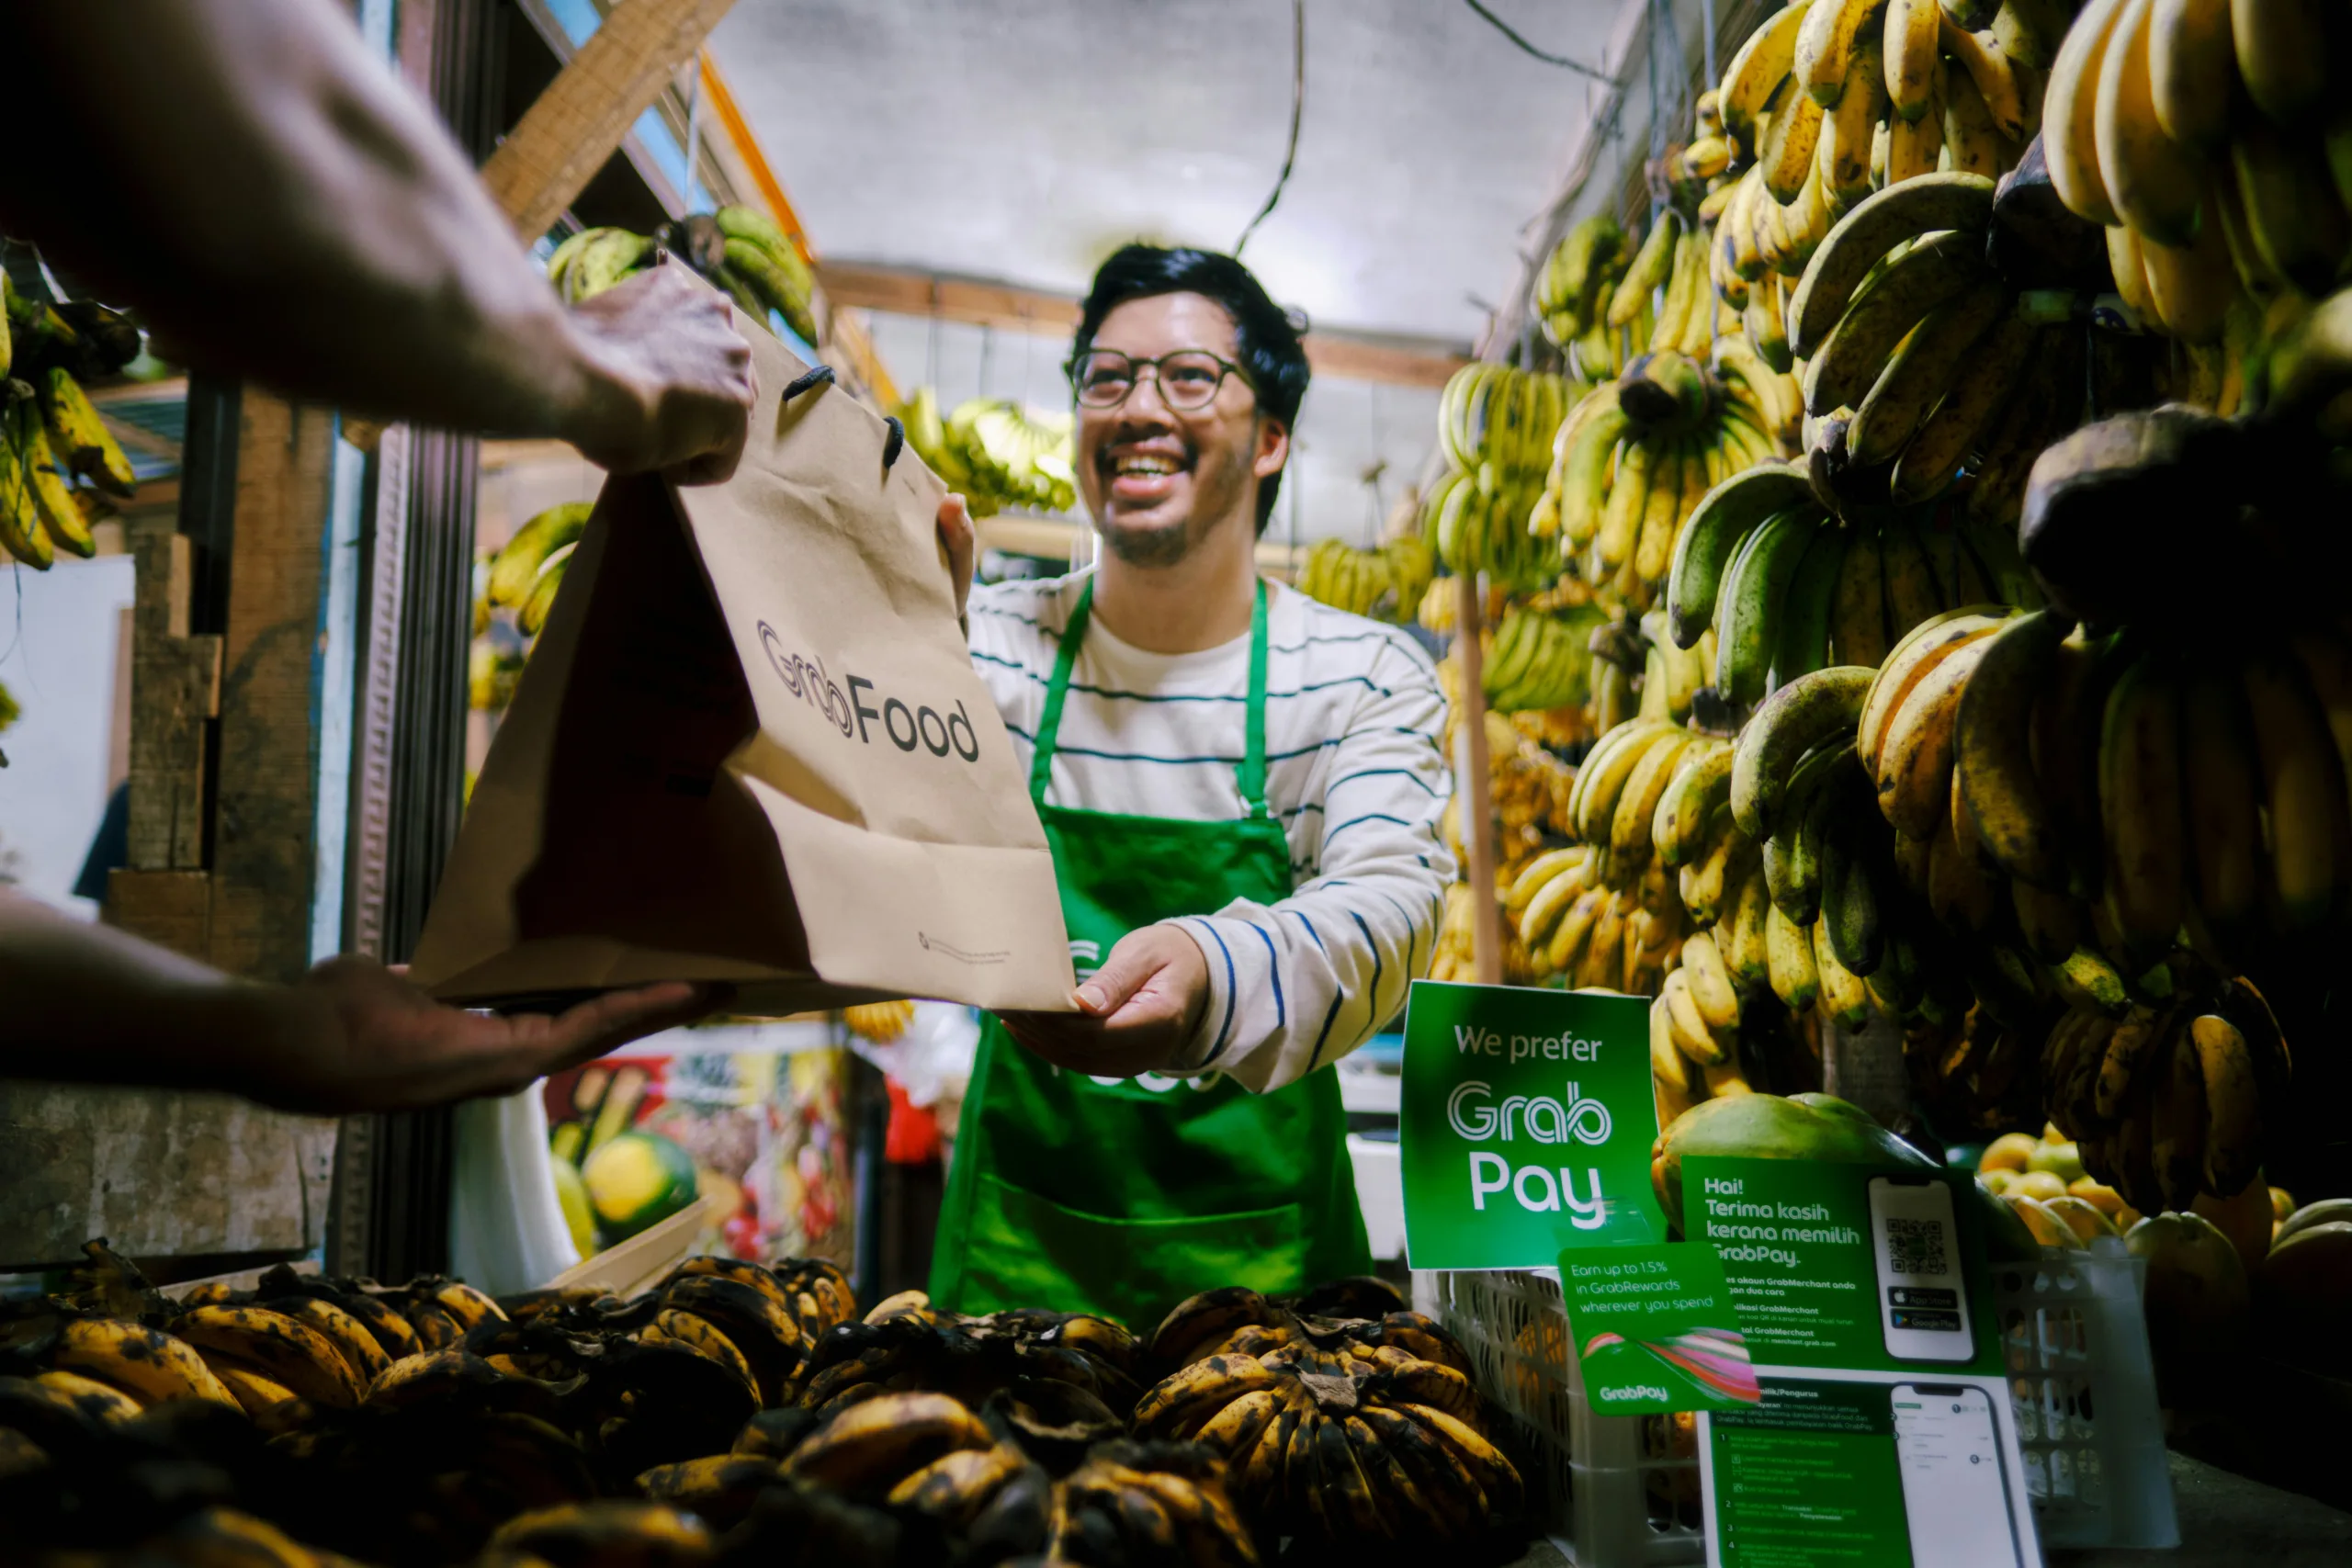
point(1188, 378)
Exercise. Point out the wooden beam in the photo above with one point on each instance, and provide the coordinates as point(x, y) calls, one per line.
point(1009, 307)
point(566, 136)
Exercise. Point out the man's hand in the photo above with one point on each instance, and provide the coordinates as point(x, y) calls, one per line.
point(1137, 1013)
point(956, 538)
point(677, 387)
point(356, 1036)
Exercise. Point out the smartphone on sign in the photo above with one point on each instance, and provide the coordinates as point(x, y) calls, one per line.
point(1955, 1494)
point(1923, 1300)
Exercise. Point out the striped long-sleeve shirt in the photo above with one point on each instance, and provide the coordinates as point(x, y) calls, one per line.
point(1355, 773)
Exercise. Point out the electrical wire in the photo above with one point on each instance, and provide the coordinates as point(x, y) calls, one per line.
point(1297, 107)
point(1561, 61)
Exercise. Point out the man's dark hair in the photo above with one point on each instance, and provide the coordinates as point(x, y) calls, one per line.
point(1266, 341)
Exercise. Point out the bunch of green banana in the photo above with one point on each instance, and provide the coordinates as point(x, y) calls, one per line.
point(593, 260)
point(2202, 133)
point(1540, 661)
point(1788, 590)
point(1635, 457)
point(1575, 288)
point(760, 259)
point(525, 573)
point(2171, 1098)
point(1495, 425)
point(994, 451)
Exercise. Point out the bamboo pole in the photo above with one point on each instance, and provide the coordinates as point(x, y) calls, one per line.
point(1473, 785)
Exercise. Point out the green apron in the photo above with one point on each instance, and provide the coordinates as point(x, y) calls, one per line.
point(1122, 1196)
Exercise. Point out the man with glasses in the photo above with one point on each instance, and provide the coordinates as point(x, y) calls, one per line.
point(1241, 788)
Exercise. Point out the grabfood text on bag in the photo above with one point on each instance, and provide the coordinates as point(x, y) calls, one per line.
point(907, 727)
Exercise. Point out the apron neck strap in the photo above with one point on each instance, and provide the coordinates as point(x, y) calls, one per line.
point(1251, 775)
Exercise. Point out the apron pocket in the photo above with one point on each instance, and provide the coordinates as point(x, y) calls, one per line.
point(1024, 1249)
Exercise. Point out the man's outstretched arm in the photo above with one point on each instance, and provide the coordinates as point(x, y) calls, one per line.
point(277, 203)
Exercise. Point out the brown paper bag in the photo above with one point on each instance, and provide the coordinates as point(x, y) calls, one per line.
point(750, 747)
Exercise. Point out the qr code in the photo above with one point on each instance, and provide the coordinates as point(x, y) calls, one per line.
point(1915, 1246)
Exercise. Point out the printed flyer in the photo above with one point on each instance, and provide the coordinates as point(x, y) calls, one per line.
point(1525, 1126)
point(1655, 1329)
point(1884, 1435)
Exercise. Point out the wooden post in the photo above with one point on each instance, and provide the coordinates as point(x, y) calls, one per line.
point(1473, 785)
point(571, 129)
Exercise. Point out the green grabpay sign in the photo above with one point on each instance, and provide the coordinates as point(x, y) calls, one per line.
point(1526, 1125)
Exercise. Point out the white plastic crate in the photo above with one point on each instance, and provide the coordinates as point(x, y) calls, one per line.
point(1623, 1491)
point(2085, 1391)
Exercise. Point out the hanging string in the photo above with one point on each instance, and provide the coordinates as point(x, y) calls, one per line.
point(1297, 108)
point(1561, 61)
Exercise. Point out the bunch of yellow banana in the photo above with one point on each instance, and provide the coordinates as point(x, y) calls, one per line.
point(2143, 797)
point(1540, 661)
point(2202, 132)
point(1919, 361)
point(2172, 1097)
point(525, 571)
point(1635, 457)
point(879, 1021)
point(1576, 288)
point(1387, 583)
point(1358, 1445)
point(1830, 101)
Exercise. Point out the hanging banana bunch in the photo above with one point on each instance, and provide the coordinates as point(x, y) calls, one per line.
point(1495, 425)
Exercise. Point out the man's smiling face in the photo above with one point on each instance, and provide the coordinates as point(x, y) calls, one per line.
point(1159, 480)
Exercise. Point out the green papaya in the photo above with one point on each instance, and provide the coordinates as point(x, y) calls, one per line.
point(1767, 1127)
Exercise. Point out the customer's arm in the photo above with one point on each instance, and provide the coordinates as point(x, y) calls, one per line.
point(89, 1004)
point(277, 203)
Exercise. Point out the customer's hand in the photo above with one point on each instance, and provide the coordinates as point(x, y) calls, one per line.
point(956, 538)
point(353, 1036)
point(677, 389)
point(1137, 1013)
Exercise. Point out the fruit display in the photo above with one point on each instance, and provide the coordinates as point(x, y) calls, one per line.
point(994, 451)
point(1386, 583)
point(733, 1413)
point(58, 460)
point(739, 249)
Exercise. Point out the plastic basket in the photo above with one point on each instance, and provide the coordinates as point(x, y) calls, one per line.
point(1623, 1491)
